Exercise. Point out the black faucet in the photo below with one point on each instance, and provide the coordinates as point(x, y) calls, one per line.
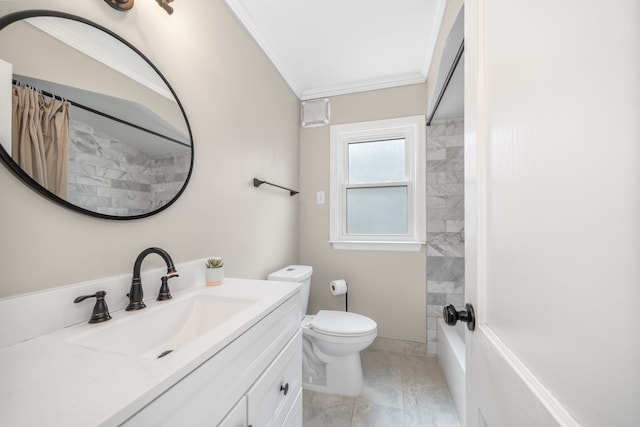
point(135, 294)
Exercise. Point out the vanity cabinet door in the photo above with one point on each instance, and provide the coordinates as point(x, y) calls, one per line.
point(275, 392)
point(294, 418)
point(238, 415)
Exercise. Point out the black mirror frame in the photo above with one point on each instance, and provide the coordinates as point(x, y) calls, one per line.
point(25, 178)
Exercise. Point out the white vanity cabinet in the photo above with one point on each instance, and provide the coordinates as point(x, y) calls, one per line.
point(255, 380)
point(238, 415)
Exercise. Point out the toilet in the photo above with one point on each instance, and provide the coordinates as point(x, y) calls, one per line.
point(331, 341)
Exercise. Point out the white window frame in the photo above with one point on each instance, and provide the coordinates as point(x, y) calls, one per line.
point(412, 129)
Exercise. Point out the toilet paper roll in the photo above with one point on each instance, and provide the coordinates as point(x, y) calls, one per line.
point(338, 287)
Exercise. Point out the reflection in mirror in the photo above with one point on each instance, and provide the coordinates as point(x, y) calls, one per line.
point(124, 151)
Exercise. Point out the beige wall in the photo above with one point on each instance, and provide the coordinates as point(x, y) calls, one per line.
point(389, 287)
point(449, 18)
point(244, 120)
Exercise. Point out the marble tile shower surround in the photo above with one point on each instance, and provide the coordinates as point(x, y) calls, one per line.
point(114, 178)
point(445, 221)
point(401, 389)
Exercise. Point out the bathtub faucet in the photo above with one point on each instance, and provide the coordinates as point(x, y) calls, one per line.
point(135, 294)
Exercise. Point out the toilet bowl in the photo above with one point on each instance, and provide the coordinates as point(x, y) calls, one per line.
point(332, 341)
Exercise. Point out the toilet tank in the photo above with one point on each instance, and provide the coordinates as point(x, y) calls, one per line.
point(296, 273)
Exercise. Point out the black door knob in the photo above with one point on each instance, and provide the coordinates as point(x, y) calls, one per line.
point(451, 316)
point(285, 388)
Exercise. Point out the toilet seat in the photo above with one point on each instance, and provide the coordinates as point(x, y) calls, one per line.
point(341, 323)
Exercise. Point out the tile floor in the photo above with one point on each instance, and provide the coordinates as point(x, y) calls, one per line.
point(400, 390)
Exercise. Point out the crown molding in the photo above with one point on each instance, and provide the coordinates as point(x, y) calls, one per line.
point(435, 31)
point(362, 86)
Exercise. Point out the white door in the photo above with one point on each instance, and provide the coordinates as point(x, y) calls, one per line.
point(552, 128)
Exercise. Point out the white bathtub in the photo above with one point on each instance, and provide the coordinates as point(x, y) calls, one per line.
point(451, 358)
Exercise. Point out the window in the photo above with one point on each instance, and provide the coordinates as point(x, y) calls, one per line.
point(378, 185)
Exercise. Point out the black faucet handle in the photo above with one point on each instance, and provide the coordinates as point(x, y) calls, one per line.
point(100, 310)
point(165, 293)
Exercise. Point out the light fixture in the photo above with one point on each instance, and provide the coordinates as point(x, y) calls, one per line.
point(165, 5)
point(125, 5)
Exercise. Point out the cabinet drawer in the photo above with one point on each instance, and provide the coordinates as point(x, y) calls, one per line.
point(274, 393)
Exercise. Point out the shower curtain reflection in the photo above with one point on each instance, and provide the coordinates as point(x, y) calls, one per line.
point(40, 138)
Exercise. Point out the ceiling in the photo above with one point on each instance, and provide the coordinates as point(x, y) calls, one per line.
point(332, 47)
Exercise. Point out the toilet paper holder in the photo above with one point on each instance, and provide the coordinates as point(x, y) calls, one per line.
point(337, 287)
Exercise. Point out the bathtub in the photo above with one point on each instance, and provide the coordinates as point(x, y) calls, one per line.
point(451, 358)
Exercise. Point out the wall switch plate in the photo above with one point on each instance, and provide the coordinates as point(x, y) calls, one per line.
point(320, 197)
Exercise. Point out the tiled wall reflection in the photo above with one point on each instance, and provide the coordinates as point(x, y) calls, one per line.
point(114, 178)
point(445, 221)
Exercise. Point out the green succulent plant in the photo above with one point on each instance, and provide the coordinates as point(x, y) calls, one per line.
point(215, 262)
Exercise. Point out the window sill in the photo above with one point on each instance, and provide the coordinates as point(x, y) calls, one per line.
point(377, 246)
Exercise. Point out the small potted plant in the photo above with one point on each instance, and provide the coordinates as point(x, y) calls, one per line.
point(214, 271)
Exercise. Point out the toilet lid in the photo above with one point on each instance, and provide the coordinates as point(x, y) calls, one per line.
point(342, 323)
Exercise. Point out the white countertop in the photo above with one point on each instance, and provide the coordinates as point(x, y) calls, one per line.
point(48, 381)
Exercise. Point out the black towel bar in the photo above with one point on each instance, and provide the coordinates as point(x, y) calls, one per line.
point(258, 182)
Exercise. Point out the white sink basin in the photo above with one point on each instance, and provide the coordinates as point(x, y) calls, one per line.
point(165, 327)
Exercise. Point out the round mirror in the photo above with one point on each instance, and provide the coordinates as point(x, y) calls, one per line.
point(90, 122)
